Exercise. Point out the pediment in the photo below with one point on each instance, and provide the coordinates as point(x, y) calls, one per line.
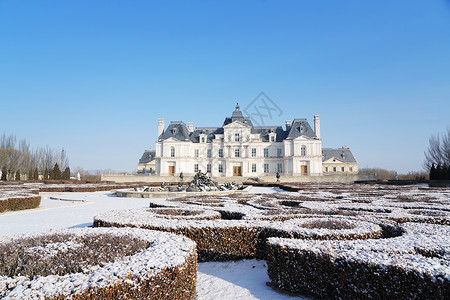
point(237, 124)
point(333, 159)
point(172, 139)
point(303, 138)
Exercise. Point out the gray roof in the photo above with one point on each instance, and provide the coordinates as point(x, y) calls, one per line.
point(179, 131)
point(209, 131)
point(148, 156)
point(300, 127)
point(237, 116)
point(264, 132)
point(176, 130)
point(343, 153)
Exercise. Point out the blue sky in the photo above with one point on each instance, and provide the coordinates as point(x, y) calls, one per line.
point(94, 76)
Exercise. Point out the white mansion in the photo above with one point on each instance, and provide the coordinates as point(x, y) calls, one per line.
point(240, 149)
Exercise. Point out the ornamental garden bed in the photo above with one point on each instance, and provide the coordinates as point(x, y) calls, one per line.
point(17, 199)
point(341, 241)
point(414, 265)
point(352, 242)
point(99, 263)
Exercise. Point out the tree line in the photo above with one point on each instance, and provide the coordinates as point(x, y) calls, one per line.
point(18, 161)
point(437, 157)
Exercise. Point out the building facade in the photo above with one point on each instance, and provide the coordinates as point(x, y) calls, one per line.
point(238, 148)
point(338, 161)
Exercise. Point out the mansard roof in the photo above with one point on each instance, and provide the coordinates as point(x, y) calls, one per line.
point(343, 153)
point(179, 131)
point(209, 131)
point(300, 127)
point(148, 156)
point(265, 132)
point(176, 130)
point(237, 116)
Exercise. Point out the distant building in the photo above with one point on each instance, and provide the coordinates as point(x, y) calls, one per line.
point(147, 162)
point(238, 148)
point(338, 161)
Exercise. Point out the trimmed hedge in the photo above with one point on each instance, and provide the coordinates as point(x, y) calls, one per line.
point(414, 265)
point(319, 275)
point(167, 269)
point(19, 202)
point(235, 239)
point(216, 241)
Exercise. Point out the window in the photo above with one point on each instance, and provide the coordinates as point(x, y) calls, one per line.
point(237, 137)
point(220, 152)
point(196, 168)
point(266, 152)
point(334, 169)
point(208, 168)
point(196, 152)
point(326, 169)
point(253, 152)
point(351, 169)
point(208, 152)
point(254, 168)
point(172, 152)
point(272, 138)
point(342, 169)
point(280, 168)
point(303, 151)
point(237, 152)
point(279, 152)
point(203, 139)
point(266, 168)
point(220, 168)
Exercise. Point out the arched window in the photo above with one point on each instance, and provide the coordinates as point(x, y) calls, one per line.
point(303, 151)
point(172, 152)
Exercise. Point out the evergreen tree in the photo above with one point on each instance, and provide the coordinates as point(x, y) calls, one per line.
point(36, 174)
point(4, 173)
point(432, 172)
point(440, 172)
point(17, 175)
point(45, 174)
point(56, 172)
point(66, 174)
point(445, 173)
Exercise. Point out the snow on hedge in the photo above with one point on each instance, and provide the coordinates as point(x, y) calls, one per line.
point(165, 251)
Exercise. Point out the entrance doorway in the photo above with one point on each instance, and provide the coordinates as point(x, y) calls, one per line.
point(304, 170)
point(171, 170)
point(237, 171)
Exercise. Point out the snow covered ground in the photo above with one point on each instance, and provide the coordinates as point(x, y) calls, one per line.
point(216, 280)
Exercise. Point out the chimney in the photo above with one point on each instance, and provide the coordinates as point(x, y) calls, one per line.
point(317, 126)
point(160, 127)
point(190, 127)
point(288, 125)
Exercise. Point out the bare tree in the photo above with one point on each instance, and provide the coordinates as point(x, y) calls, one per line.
point(438, 152)
point(19, 157)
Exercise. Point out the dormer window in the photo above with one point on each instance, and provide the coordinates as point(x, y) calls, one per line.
point(272, 138)
point(174, 131)
point(202, 138)
point(301, 129)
